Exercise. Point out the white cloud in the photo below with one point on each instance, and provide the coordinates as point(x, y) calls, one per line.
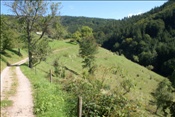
point(131, 14)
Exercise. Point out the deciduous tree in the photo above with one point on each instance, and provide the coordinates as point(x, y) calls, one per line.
point(88, 48)
point(33, 16)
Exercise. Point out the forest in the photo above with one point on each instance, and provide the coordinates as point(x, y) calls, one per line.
point(147, 39)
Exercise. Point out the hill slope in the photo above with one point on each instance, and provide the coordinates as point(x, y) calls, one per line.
point(11, 56)
point(112, 69)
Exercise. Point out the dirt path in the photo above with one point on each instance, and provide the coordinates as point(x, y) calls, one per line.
point(22, 99)
point(58, 50)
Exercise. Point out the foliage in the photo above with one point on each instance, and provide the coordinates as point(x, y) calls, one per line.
point(59, 70)
point(127, 85)
point(77, 36)
point(147, 39)
point(86, 32)
point(163, 94)
point(31, 16)
point(98, 103)
point(172, 78)
point(135, 58)
point(56, 30)
point(39, 51)
point(9, 37)
point(150, 67)
point(73, 23)
point(88, 49)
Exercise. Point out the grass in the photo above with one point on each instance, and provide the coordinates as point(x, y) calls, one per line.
point(6, 103)
point(48, 98)
point(58, 44)
point(11, 57)
point(144, 80)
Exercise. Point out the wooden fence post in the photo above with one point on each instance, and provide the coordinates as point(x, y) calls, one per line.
point(50, 76)
point(79, 106)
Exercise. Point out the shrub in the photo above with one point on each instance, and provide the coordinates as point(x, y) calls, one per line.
point(127, 85)
point(59, 70)
point(150, 67)
point(135, 58)
point(96, 103)
point(163, 94)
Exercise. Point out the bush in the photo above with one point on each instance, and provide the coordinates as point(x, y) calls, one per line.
point(59, 70)
point(127, 85)
point(135, 58)
point(150, 67)
point(95, 102)
point(163, 94)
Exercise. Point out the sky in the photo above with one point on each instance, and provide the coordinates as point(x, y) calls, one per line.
point(102, 9)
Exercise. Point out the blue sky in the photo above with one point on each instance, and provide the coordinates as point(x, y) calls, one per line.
point(102, 9)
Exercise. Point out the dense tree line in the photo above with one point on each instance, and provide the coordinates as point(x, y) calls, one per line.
point(147, 39)
point(73, 24)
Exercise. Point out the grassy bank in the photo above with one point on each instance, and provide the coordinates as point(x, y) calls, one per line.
point(48, 98)
point(11, 56)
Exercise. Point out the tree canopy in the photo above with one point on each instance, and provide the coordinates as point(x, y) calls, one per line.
point(33, 16)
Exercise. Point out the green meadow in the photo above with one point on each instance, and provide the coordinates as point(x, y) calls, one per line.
point(112, 68)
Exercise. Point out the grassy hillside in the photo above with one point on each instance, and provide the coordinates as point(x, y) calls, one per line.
point(111, 68)
point(11, 57)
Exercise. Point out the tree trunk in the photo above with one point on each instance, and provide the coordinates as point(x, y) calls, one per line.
point(29, 52)
point(30, 59)
point(19, 52)
point(29, 44)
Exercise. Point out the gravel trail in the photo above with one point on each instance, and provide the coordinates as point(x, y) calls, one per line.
point(22, 100)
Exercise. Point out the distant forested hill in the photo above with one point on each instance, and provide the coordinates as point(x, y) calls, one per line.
point(148, 39)
point(73, 23)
